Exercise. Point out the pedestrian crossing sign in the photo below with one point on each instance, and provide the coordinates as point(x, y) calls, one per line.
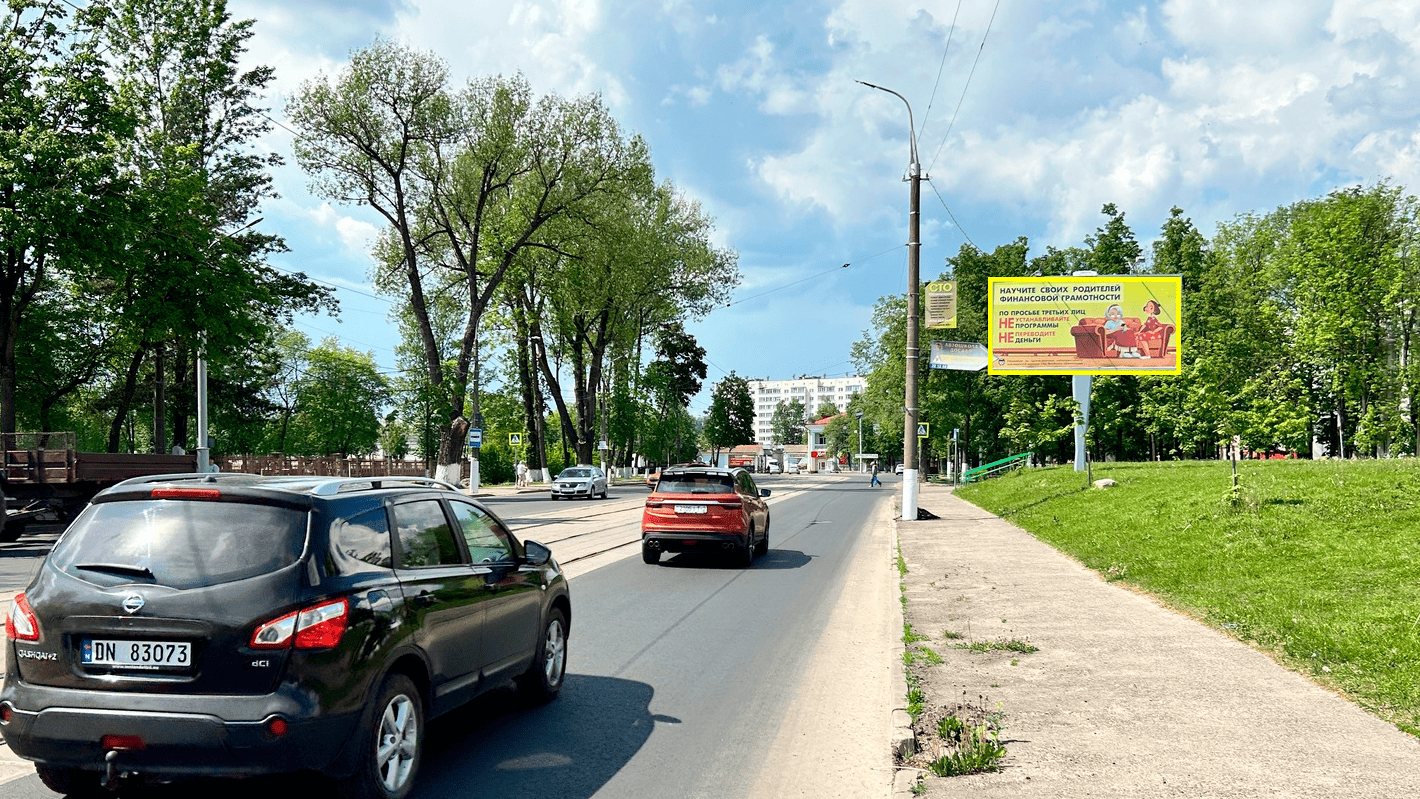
point(514, 439)
point(922, 429)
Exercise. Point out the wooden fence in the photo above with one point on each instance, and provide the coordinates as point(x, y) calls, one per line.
point(334, 466)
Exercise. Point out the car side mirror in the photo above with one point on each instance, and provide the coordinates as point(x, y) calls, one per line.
point(536, 554)
point(764, 492)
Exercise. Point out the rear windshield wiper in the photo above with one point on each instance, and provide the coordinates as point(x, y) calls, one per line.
point(117, 568)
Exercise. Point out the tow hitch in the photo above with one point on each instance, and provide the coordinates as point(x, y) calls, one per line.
point(114, 775)
point(111, 772)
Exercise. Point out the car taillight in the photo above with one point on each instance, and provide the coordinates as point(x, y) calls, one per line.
point(21, 624)
point(316, 627)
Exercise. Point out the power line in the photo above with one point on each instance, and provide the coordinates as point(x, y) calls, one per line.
point(814, 276)
point(949, 214)
point(941, 66)
point(967, 86)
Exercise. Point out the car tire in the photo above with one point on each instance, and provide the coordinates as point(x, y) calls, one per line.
point(746, 553)
point(70, 781)
point(391, 737)
point(543, 680)
point(762, 548)
point(649, 555)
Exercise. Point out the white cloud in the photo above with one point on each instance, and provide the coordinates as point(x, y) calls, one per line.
point(549, 41)
point(1206, 99)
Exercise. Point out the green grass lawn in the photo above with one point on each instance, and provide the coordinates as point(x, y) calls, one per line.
point(1314, 562)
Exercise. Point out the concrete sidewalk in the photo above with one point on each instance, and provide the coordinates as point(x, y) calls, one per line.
point(1125, 698)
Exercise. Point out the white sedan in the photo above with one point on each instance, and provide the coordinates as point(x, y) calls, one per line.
point(897, 469)
point(580, 481)
point(773, 468)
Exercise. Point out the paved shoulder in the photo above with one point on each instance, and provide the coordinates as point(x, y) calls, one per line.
point(1124, 697)
point(11, 767)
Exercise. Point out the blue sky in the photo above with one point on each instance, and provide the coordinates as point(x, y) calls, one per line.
point(1216, 106)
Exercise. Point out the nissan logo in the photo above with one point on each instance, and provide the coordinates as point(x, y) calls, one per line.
point(133, 603)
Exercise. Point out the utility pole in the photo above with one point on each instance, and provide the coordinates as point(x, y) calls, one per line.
point(914, 245)
point(860, 439)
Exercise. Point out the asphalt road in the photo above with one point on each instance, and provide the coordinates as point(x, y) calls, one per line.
point(20, 559)
point(680, 675)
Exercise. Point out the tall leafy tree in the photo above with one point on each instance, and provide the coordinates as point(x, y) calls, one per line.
point(338, 401)
point(645, 259)
point(788, 422)
point(368, 136)
point(63, 200)
point(671, 380)
point(730, 422)
point(196, 278)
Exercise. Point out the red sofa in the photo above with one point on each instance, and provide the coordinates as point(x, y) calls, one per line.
point(1089, 336)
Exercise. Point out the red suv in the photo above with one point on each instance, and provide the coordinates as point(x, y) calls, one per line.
point(705, 509)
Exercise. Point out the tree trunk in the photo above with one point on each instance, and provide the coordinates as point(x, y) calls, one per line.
point(8, 369)
point(184, 388)
point(160, 411)
point(125, 400)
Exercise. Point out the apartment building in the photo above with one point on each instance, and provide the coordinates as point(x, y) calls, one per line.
point(811, 391)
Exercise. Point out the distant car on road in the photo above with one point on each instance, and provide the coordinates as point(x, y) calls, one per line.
point(705, 509)
point(231, 625)
point(897, 469)
point(773, 468)
point(580, 481)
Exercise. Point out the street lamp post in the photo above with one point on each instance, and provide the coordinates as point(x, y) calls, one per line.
point(914, 245)
point(204, 451)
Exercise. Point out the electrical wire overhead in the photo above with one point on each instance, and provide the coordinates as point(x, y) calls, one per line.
point(965, 87)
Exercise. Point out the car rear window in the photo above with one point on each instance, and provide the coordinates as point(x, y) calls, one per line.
point(181, 544)
point(696, 484)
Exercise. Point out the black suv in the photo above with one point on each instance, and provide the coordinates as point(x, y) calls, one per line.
point(227, 624)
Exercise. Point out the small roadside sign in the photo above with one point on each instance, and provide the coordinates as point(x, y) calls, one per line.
point(475, 437)
point(923, 429)
point(514, 439)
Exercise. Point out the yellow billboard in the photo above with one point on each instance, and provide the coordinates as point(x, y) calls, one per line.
point(1105, 325)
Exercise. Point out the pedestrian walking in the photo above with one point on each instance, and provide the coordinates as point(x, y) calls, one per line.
point(521, 470)
point(876, 481)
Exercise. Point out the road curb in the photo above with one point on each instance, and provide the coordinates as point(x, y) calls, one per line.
point(903, 741)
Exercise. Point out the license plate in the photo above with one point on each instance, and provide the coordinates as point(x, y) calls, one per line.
point(137, 654)
point(691, 509)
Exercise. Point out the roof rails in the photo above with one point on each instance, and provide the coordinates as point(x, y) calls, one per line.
point(319, 486)
point(330, 487)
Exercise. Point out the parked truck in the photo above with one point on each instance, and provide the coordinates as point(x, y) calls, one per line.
point(44, 476)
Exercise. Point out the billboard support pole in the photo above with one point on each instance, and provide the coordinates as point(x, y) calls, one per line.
point(1080, 386)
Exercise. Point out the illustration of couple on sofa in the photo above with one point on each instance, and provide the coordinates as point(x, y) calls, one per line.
point(1115, 336)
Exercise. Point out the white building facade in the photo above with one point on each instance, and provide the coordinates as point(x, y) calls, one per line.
point(811, 391)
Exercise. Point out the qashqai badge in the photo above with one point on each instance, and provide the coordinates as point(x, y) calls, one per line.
point(133, 603)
